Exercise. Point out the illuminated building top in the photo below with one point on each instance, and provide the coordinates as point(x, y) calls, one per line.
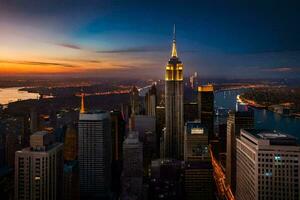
point(174, 68)
point(206, 88)
point(82, 110)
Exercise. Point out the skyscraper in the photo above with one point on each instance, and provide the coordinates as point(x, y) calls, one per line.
point(198, 173)
point(267, 165)
point(151, 101)
point(166, 177)
point(206, 108)
point(94, 154)
point(117, 134)
point(190, 111)
point(70, 144)
point(34, 120)
point(71, 171)
point(12, 145)
point(71, 180)
point(39, 168)
point(146, 128)
point(135, 101)
point(132, 177)
point(195, 142)
point(173, 138)
point(160, 124)
point(236, 121)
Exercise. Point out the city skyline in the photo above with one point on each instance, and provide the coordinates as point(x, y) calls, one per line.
point(115, 38)
point(101, 99)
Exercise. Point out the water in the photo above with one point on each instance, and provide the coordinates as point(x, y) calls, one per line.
point(263, 118)
point(8, 95)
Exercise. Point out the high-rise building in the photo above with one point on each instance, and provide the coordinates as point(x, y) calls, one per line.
point(193, 80)
point(160, 124)
point(206, 108)
point(195, 142)
point(71, 180)
point(135, 101)
point(151, 101)
point(34, 120)
point(143, 124)
point(117, 134)
point(7, 182)
point(39, 168)
point(71, 168)
point(173, 139)
point(132, 176)
point(15, 139)
point(12, 144)
point(70, 144)
point(267, 165)
point(198, 173)
point(236, 121)
point(2, 150)
point(94, 154)
point(146, 128)
point(166, 179)
point(190, 111)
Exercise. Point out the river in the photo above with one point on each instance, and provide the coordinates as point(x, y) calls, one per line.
point(263, 118)
point(12, 94)
point(226, 99)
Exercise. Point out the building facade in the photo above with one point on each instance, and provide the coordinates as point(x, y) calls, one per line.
point(94, 154)
point(70, 144)
point(206, 108)
point(236, 121)
point(39, 169)
point(190, 111)
point(267, 165)
point(166, 179)
point(198, 173)
point(151, 101)
point(132, 176)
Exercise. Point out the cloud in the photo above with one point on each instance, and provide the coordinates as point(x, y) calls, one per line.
point(78, 60)
point(141, 49)
point(71, 46)
point(281, 69)
point(38, 63)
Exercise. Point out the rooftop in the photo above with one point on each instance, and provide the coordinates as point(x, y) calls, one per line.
point(206, 88)
point(93, 115)
point(132, 138)
point(40, 139)
point(95, 112)
point(40, 133)
point(275, 137)
point(195, 127)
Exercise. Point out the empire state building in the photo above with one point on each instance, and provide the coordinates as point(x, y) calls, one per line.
point(173, 137)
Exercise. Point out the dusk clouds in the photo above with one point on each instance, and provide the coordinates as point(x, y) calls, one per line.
point(215, 39)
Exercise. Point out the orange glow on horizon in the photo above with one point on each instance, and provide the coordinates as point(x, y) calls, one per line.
point(13, 67)
point(27, 69)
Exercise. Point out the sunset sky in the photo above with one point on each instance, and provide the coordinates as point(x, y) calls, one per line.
point(128, 38)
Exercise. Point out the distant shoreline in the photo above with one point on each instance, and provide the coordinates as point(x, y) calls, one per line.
point(252, 103)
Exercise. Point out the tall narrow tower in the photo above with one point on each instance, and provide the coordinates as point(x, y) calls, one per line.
point(173, 137)
point(82, 109)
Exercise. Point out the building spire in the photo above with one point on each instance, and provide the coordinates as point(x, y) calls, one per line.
point(174, 51)
point(82, 110)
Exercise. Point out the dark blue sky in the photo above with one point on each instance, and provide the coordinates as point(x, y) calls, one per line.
point(216, 38)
